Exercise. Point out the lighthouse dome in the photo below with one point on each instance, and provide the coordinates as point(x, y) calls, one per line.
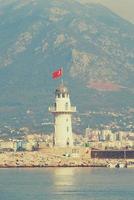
point(61, 90)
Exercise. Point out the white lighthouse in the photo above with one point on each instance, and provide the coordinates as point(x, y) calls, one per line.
point(62, 111)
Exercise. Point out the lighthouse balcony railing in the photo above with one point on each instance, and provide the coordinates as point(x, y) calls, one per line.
point(54, 109)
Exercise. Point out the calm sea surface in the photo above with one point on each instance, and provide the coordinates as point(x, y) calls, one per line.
point(67, 184)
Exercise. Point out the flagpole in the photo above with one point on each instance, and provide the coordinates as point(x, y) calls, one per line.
point(62, 82)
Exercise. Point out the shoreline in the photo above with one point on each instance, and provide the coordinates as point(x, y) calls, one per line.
point(55, 166)
point(25, 167)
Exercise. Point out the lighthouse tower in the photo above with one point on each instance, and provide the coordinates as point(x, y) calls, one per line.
point(62, 111)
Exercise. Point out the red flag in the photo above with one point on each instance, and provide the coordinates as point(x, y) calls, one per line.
point(57, 73)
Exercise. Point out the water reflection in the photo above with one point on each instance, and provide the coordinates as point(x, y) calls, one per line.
point(64, 177)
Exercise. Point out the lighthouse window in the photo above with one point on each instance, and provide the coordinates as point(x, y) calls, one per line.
point(63, 95)
point(67, 129)
point(58, 95)
point(66, 106)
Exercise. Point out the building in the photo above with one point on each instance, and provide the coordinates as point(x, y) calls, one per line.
point(62, 111)
point(112, 154)
point(92, 134)
point(9, 145)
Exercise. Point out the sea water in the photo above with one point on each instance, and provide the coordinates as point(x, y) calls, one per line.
point(66, 184)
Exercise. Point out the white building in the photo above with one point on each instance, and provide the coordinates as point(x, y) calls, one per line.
point(9, 144)
point(62, 111)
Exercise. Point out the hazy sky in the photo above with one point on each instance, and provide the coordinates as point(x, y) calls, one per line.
point(125, 8)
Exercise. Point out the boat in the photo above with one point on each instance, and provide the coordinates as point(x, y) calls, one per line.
point(110, 165)
point(117, 165)
point(130, 164)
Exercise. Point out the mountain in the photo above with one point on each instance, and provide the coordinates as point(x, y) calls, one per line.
point(93, 45)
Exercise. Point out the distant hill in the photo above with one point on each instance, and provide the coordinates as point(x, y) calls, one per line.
point(93, 45)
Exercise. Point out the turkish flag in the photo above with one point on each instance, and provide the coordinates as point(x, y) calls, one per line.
point(57, 73)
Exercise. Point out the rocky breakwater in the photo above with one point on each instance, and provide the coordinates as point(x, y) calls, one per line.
point(42, 159)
